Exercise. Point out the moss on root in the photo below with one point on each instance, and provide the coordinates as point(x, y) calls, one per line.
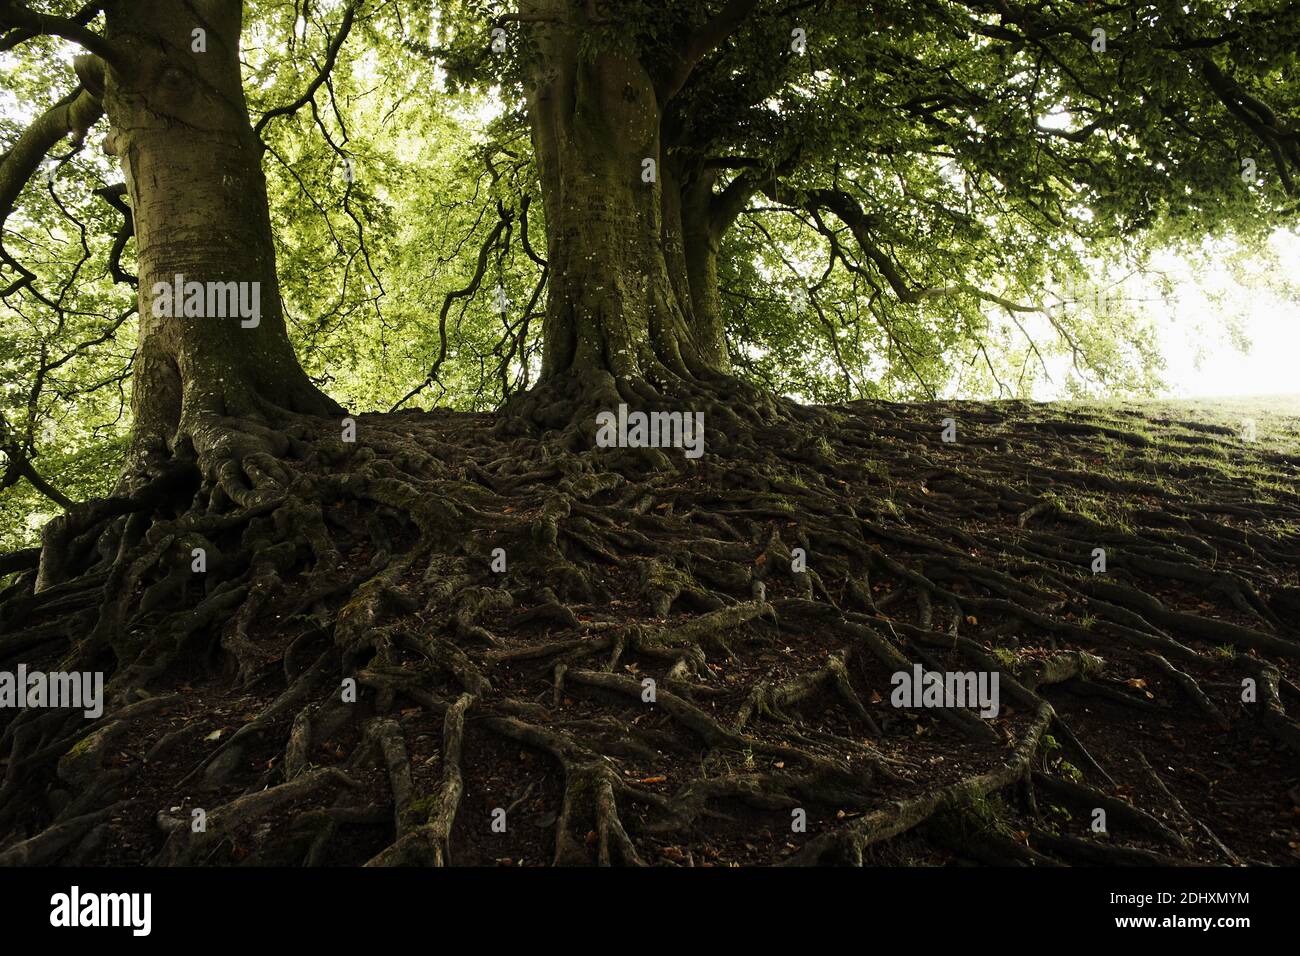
point(649, 673)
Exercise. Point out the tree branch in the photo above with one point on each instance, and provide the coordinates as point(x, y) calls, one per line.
point(505, 218)
point(701, 43)
point(731, 202)
point(24, 24)
point(331, 57)
point(114, 196)
point(72, 115)
point(850, 212)
point(23, 469)
point(1259, 118)
point(19, 466)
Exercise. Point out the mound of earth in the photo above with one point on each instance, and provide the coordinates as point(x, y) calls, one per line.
point(448, 643)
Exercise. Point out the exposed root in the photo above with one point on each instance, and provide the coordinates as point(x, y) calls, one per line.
point(463, 639)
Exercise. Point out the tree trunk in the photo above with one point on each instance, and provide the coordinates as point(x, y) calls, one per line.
point(623, 299)
point(701, 238)
point(180, 128)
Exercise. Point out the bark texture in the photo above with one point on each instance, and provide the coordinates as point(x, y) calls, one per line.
point(180, 128)
point(633, 293)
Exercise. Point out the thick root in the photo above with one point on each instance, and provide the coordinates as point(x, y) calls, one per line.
point(463, 640)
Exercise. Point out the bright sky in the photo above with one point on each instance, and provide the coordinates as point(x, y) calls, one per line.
point(1229, 324)
point(1195, 330)
point(1223, 332)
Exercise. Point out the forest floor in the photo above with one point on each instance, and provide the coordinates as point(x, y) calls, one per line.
point(502, 717)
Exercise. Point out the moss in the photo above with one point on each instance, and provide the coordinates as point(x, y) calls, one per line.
point(83, 746)
point(422, 808)
point(1006, 657)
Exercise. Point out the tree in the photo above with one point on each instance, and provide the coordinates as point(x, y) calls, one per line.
point(168, 79)
point(680, 638)
point(952, 156)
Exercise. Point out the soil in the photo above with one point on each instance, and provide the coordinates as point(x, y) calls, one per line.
point(478, 691)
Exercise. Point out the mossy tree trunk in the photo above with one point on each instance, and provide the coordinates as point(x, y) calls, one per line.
point(180, 129)
point(633, 289)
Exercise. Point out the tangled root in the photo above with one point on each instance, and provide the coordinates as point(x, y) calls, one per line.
point(459, 640)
